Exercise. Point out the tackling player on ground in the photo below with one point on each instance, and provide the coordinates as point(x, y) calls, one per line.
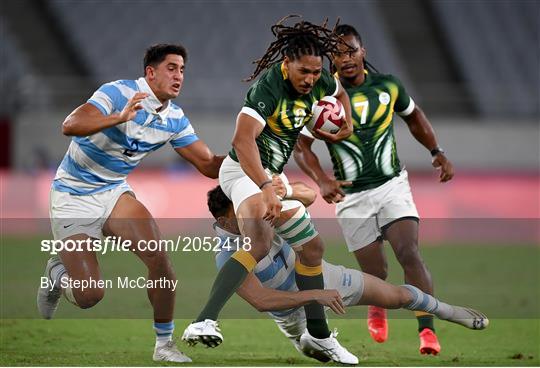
point(120, 124)
point(270, 288)
point(374, 200)
point(276, 108)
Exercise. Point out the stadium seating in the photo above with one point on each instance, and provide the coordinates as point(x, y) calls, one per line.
point(16, 71)
point(496, 46)
point(222, 38)
point(493, 45)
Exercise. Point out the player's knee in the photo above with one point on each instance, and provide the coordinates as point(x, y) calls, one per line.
point(381, 272)
point(157, 257)
point(312, 252)
point(408, 256)
point(377, 269)
point(404, 297)
point(159, 262)
point(301, 235)
point(89, 297)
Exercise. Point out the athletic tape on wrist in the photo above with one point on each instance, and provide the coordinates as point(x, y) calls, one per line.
point(289, 190)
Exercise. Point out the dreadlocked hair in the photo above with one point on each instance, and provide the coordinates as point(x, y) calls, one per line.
point(348, 30)
point(303, 38)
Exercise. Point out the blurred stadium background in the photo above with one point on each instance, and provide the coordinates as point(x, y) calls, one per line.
point(472, 65)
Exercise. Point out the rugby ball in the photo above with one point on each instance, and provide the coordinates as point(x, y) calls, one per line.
point(328, 113)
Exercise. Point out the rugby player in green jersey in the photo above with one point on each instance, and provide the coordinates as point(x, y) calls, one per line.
point(371, 189)
point(276, 108)
point(269, 288)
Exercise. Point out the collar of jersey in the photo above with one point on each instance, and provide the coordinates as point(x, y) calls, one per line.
point(283, 71)
point(222, 232)
point(294, 93)
point(151, 103)
point(367, 80)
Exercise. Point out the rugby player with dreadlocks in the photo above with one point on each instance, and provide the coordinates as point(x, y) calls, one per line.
point(275, 110)
point(371, 189)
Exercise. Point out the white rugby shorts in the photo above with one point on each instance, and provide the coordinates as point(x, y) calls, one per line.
point(82, 214)
point(363, 215)
point(238, 186)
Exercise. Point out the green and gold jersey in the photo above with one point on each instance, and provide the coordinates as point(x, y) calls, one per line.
point(368, 157)
point(274, 102)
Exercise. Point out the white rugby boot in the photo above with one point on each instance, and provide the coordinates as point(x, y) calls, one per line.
point(328, 347)
point(469, 318)
point(168, 352)
point(206, 332)
point(47, 299)
point(310, 354)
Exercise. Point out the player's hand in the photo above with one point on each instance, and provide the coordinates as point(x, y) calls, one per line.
point(132, 106)
point(331, 190)
point(273, 204)
point(330, 298)
point(343, 133)
point(279, 186)
point(443, 164)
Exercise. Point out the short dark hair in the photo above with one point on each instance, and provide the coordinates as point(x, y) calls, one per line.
point(155, 54)
point(218, 202)
point(347, 30)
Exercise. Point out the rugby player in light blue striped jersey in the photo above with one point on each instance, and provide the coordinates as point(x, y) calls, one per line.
point(112, 132)
point(270, 287)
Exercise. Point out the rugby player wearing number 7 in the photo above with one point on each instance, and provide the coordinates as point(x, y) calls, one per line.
point(276, 108)
point(370, 188)
point(270, 287)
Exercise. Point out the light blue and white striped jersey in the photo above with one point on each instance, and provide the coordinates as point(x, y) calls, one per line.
point(103, 160)
point(275, 271)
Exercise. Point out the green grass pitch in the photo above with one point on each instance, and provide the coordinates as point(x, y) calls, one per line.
point(258, 342)
point(502, 281)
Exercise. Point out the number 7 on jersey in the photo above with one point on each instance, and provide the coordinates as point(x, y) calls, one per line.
point(363, 115)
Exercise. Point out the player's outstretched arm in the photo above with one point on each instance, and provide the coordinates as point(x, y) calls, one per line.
point(423, 132)
point(200, 156)
point(297, 190)
point(87, 119)
point(266, 299)
point(303, 193)
point(309, 163)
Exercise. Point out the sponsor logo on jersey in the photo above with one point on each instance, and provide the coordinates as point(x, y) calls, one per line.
point(384, 98)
